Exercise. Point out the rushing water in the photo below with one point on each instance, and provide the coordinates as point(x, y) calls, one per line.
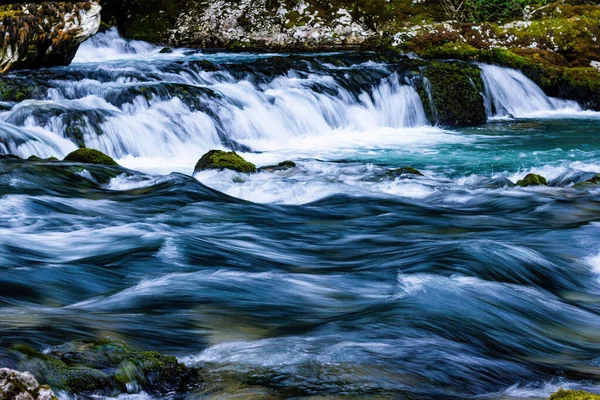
point(325, 279)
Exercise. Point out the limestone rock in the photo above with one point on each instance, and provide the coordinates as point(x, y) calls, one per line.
point(22, 386)
point(45, 34)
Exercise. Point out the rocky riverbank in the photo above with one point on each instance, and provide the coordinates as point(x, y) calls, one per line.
point(554, 43)
point(45, 34)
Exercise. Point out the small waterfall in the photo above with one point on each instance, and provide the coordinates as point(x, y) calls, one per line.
point(510, 93)
point(178, 107)
point(110, 46)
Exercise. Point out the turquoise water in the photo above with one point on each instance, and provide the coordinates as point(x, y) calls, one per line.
point(328, 279)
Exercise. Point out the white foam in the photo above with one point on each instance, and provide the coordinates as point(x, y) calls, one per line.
point(109, 46)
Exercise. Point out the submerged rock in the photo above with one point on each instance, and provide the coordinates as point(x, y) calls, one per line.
point(218, 159)
point(574, 395)
point(45, 34)
point(593, 181)
point(532, 180)
point(90, 156)
point(399, 172)
point(282, 166)
point(15, 385)
point(108, 367)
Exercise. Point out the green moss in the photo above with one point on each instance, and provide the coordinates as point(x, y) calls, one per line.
point(446, 82)
point(90, 156)
point(395, 173)
point(532, 180)
point(282, 166)
point(574, 395)
point(106, 366)
point(218, 159)
point(593, 181)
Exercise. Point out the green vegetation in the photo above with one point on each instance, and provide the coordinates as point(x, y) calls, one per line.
point(445, 83)
point(282, 166)
point(90, 156)
point(574, 395)
point(106, 366)
point(532, 180)
point(218, 159)
point(403, 171)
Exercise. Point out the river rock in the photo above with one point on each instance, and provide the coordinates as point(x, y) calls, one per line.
point(403, 171)
point(282, 166)
point(106, 367)
point(90, 156)
point(218, 159)
point(451, 93)
point(15, 385)
point(532, 180)
point(45, 34)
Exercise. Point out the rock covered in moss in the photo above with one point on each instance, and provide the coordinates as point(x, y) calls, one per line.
point(452, 94)
point(15, 385)
point(219, 159)
point(592, 181)
point(282, 166)
point(532, 180)
point(45, 34)
point(90, 156)
point(403, 171)
point(107, 367)
point(574, 395)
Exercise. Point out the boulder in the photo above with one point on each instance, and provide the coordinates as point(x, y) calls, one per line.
point(451, 93)
point(90, 156)
point(22, 386)
point(282, 166)
point(532, 180)
point(107, 367)
point(218, 159)
point(404, 171)
point(45, 34)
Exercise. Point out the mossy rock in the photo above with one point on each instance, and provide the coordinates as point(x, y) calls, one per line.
point(403, 171)
point(592, 181)
point(218, 159)
point(574, 395)
point(282, 166)
point(9, 157)
point(90, 156)
point(532, 180)
point(107, 367)
point(451, 93)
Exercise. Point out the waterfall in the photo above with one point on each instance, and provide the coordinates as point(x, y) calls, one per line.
point(178, 107)
point(510, 93)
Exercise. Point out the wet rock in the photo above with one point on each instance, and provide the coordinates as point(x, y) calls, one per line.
point(532, 180)
point(15, 385)
point(402, 172)
point(282, 166)
point(9, 157)
point(166, 50)
point(107, 367)
point(592, 181)
point(90, 156)
point(451, 93)
point(45, 34)
point(574, 395)
point(218, 159)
